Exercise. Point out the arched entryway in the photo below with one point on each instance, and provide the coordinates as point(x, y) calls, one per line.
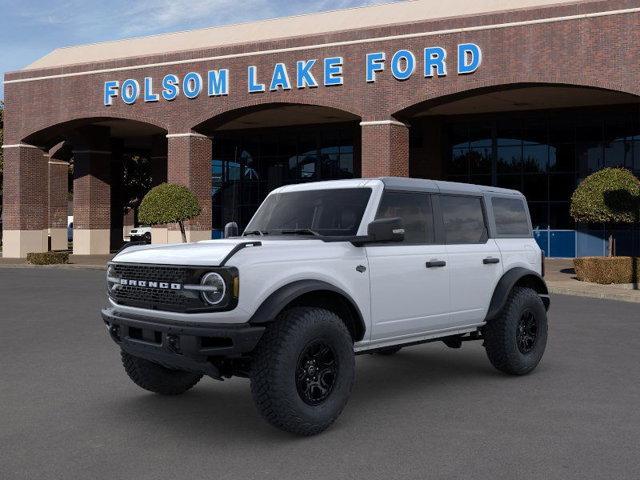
point(259, 148)
point(111, 163)
point(537, 138)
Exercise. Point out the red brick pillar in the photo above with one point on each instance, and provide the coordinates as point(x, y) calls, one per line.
point(385, 149)
point(25, 211)
point(159, 233)
point(58, 191)
point(92, 192)
point(189, 164)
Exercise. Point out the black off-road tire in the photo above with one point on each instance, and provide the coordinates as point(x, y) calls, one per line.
point(278, 379)
point(156, 378)
point(389, 350)
point(508, 349)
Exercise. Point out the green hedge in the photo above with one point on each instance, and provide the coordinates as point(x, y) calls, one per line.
point(607, 270)
point(48, 258)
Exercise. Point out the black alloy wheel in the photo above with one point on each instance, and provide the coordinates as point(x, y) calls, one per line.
point(316, 373)
point(527, 333)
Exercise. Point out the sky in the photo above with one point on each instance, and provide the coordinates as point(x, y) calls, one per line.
point(29, 29)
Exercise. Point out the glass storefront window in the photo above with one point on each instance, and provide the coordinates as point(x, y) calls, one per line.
point(535, 158)
point(618, 154)
point(544, 154)
point(250, 163)
point(510, 159)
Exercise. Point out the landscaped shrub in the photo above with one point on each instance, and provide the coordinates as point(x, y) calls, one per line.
point(607, 270)
point(48, 258)
point(610, 195)
point(169, 203)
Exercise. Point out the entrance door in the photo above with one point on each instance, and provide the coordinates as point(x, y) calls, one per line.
point(409, 280)
point(474, 259)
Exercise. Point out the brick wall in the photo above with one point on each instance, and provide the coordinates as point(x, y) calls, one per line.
point(600, 52)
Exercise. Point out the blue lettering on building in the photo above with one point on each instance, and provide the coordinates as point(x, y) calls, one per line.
point(218, 83)
point(305, 73)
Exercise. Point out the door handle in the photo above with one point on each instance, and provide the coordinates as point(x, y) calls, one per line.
point(490, 260)
point(436, 263)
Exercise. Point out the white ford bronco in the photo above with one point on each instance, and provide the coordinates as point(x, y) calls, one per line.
point(325, 271)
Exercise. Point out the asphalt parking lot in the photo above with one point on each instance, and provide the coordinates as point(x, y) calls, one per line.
point(67, 409)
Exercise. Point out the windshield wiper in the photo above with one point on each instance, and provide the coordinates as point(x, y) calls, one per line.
point(300, 231)
point(255, 232)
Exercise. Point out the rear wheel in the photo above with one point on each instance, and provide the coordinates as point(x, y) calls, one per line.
point(515, 341)
point(156, 378)
point(303, 370)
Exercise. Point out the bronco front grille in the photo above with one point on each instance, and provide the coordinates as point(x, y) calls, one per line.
point(156, 298)
point(162, 287)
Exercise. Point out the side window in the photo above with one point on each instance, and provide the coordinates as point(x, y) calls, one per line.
point(415, 211)
point(463, 219)
point(511, 217)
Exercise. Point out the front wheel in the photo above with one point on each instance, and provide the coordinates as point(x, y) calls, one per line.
point(156, 378)
point(303, 370)
point(515, 341)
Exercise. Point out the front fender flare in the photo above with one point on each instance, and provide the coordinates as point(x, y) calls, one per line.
point(511, 278)
point(278, 300)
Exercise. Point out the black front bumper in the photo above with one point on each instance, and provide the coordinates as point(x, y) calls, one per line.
point(181, 345)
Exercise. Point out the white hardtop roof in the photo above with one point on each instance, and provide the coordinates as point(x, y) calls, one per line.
point(400, 183)
point(286, 27)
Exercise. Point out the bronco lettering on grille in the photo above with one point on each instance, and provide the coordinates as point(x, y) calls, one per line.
point(150, 284)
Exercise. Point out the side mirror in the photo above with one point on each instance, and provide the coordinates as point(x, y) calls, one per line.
point(385, 230)
point(231, 230)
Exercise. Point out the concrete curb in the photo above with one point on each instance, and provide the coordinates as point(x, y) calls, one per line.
point(632, 297)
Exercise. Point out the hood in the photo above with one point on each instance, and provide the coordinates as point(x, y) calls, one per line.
point(209, 253)
point(205, 253)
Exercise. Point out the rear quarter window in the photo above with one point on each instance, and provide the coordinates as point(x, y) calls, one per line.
point(511, 217)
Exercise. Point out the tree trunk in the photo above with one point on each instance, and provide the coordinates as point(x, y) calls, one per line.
point(610, 245)
point(184, 235)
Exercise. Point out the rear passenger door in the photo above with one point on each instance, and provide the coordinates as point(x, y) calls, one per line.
point(409, 280)
point(475, 264)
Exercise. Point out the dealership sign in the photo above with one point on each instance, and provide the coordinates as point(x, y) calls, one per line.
point(309, 73)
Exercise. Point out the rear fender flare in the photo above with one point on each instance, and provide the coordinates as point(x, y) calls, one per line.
point(518, 276)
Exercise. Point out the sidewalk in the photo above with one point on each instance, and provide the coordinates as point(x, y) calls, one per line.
point(560, 278)
point(92, 262)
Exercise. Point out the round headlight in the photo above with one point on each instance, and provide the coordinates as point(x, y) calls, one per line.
point(214, 288)
point(112, 282)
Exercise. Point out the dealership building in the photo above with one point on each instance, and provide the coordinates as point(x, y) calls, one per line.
point(527, 94)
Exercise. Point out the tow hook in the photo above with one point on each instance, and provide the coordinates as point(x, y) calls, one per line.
point(173, 343)
point(114, 331)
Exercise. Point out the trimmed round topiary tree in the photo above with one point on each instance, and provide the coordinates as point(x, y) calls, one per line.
point(611, 195)
point(169, 203)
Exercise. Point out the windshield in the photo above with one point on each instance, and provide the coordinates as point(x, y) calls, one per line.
point(333, 212)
